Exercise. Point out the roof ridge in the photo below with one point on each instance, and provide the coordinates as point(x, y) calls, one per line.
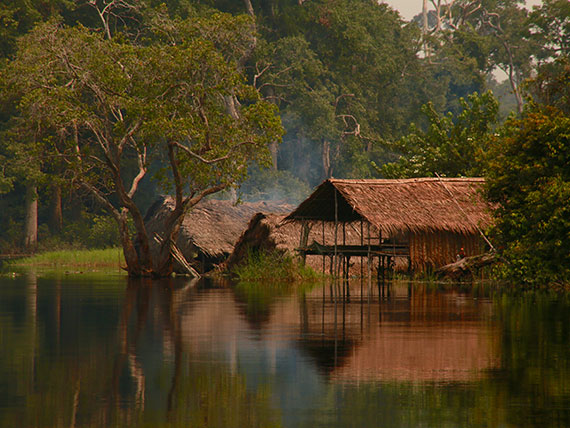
point(379, 181)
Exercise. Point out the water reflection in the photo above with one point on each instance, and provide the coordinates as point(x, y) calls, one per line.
point(113, 352)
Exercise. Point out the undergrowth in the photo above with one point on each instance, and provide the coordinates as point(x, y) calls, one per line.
point(274, 267)
point(108, 257)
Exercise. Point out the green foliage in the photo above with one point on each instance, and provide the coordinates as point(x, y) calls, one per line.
point(529, 182)
point(109, 257)
point(106, 107)
point(551, 85)
point(274, 268)
point(451, 146)
point(335, 71)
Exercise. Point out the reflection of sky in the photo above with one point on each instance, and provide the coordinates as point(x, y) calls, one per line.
point(294, 382)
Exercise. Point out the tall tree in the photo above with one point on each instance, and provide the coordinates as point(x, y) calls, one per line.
point(339, 72)
point(116, 103)
point(529, 183)
point(452, 146)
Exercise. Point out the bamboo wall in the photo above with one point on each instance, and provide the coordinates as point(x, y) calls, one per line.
point(432, 250)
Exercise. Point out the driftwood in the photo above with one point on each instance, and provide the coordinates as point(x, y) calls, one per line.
point(466, 267)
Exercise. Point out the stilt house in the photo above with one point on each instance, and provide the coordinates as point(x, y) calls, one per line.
point(427, 220)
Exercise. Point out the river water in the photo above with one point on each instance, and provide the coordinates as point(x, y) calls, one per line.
point(93, 350)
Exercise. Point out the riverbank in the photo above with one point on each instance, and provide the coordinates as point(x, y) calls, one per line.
point(95, 258)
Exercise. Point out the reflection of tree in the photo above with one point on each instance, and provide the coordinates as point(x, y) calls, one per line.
point(72, 358)
point(194, 391)
point(137, 298)
point(535, 342)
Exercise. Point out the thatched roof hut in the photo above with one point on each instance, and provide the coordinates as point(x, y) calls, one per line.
point(268, 232)
point(435, 216)
point(210, 229)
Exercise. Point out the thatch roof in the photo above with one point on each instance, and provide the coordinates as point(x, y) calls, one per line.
point(400, 206)
point(212, 227)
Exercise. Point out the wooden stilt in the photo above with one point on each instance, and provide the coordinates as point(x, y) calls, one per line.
point(361, 258)
point(324, 243)
point(335, 230)
point(369, 267)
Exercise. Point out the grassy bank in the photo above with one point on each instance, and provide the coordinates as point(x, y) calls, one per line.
point(274, 267)
point(99, 258)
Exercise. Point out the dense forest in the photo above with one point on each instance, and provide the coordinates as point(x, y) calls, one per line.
point(107, 104)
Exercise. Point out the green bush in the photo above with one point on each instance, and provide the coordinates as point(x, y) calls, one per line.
point(528, 182)
point(274, 267)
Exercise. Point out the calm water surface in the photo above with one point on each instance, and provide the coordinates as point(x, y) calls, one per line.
point(98, 351)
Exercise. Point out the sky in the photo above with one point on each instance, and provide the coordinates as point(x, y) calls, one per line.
point(409, 8)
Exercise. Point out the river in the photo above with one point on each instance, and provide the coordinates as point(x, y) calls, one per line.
point(99, 350)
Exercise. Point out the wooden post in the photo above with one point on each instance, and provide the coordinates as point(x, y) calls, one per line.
point(335, 230)
point(324, 243)
point(345, 266)
point(369, 266)
point(361, 258)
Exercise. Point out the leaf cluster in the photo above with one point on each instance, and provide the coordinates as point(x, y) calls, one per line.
point(529, 183)
point(451, 146)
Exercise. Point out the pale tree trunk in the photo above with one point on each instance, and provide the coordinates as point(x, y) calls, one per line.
point(326, 158)
point(273, 146)
point(249, 8)
point(165, 264)
point(273, 149)
point(425, 16)
point(31, 226)
point(425, 26)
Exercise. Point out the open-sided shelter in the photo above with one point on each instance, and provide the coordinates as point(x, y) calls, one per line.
point(431, 218)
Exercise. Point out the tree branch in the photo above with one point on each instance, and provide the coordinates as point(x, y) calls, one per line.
point(141, 158)
point(211, 161)
point(99, 196)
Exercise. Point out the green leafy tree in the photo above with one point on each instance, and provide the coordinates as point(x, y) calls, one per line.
point(550, 28)
point(451, 146)
point(529, 183)
point(482, 36)
point(177, 97)
point(339, 72)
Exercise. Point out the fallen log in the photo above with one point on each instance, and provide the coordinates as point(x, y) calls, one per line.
point(467, 266)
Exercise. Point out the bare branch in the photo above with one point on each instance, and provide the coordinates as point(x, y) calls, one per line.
point(356, 131)
point(141, 158)
point(259, 73)
point(190, 202)
point(99, 196)
point(337, 100)
point(212, 161)
point(128, 136)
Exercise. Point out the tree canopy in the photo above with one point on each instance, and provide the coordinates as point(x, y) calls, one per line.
point(110, 103)
point(529, 183)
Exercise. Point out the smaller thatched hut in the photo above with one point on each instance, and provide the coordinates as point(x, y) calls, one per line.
point(268, 232)
point(209, 230)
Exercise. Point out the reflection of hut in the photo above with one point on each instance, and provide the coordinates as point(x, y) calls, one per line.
point(210, 229)
point(451, 352)
point(425, 219)
point(414, 336)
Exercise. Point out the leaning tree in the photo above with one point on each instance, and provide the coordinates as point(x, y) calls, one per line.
point(172, 96)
